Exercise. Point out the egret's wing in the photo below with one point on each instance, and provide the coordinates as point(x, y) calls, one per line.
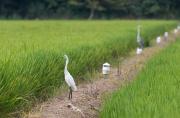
point(73, 84)
point(138, 37)
point(67, 80)
point(70, 81)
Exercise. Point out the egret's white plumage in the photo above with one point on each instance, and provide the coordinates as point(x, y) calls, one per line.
point(140, 41)
point(138, 34)
point(68, 78)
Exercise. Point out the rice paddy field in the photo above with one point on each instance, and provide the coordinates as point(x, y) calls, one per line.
point(31, 60)
point(154, 93)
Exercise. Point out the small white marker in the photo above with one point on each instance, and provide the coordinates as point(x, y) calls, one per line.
point(178, 27)
point(106, 70)
point(139, 51)
point(166, 35)
point(175, 31)
point(158, 40)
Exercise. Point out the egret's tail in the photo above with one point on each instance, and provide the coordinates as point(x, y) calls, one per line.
point(74, 88)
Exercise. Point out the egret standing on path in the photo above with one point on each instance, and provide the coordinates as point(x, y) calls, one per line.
point(139, 38)
point(69, 79)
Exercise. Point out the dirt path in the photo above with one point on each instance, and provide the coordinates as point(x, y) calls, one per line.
point(87, 100)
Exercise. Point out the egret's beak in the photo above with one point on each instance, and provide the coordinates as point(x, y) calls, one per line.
point(65, 57)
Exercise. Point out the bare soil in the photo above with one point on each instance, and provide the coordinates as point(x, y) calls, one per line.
point(86, 102)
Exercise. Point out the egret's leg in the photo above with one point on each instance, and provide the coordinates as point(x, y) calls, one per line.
point(69, 93)
point(139, 44)
point(142, 44)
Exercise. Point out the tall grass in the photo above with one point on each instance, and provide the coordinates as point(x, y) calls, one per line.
point(31, 63)
point(154, 93)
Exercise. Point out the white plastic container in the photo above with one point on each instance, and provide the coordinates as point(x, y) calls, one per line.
point(166, 34)
point(139, 51)
point(106, 68)
point(175, 31)
point(178, 27)
point(158, 40)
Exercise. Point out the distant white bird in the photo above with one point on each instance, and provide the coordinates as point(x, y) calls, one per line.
point(138, 33)
point(69, 79)
point(140, 41)
point(166, 35)
point(158, 40)
point(139, 51)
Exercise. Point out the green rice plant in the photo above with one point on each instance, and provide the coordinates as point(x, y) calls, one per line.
point(153, 94)
point(31, 54)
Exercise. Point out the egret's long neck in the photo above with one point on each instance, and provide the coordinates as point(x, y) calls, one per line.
point(67, 61)
point(138, 31)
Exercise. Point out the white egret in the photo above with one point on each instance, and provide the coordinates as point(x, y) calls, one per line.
point(69, 79)
point(140, 41)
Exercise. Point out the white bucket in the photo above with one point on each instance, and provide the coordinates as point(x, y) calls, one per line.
point(158, 40)
point(139, 51)
point(166, 34)
point(178, 27)
point(106, 68)
point(175, 31)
